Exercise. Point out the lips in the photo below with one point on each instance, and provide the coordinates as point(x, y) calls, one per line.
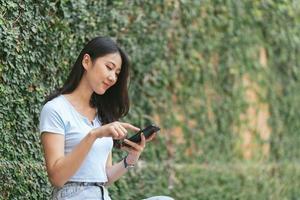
point(106, 85)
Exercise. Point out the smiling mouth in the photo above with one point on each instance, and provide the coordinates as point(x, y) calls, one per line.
point(107, 85)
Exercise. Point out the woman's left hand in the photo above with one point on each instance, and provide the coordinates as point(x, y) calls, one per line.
point(135, 149)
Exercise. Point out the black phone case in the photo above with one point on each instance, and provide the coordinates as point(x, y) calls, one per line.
point(148, 131)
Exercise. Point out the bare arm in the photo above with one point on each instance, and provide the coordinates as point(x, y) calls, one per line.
point(61, 167)
point(114, 172)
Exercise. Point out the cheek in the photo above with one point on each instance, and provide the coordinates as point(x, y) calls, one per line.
point(97, 73)
point(93, 79)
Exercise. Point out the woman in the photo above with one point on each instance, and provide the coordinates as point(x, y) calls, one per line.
point(79, 122)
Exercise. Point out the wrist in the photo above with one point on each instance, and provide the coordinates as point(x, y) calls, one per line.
point(128, 164)
point(94, 134)
point(131, 159)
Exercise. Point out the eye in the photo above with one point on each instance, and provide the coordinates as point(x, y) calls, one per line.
point(109, 67)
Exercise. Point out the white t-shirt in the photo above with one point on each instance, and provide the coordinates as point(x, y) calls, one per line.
point(60, 117)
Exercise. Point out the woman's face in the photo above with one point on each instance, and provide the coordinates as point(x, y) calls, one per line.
point(103, 72)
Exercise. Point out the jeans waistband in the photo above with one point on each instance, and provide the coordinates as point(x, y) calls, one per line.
point(75, 183)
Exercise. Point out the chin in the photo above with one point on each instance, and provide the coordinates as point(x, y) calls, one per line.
point(100, 92)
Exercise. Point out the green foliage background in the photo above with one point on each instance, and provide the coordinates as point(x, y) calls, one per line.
point(189, 60)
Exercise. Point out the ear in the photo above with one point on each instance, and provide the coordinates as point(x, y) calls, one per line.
point(86, 61)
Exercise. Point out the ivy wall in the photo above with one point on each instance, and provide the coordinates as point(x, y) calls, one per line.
point(220, 77)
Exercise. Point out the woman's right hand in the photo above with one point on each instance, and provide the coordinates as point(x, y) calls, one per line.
point(117, 130)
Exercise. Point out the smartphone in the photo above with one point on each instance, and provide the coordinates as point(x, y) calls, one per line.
point(148, 131)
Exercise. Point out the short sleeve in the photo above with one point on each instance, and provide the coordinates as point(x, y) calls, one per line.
point(50, 120)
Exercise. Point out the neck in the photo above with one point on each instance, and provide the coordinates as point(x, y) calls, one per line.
point(82, 94)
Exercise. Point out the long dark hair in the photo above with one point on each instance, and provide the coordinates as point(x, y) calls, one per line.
point(114, 103)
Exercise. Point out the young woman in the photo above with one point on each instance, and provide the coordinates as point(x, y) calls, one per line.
point(79, 122)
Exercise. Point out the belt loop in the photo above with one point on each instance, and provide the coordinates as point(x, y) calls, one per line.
point(102, 191)
point(98, 184)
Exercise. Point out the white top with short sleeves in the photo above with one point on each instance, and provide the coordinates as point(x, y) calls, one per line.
point(60, 117)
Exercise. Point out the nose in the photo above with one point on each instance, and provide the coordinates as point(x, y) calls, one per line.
point(112, 78)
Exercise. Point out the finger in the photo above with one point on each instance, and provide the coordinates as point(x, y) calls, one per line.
point(143, 140)
point(115, 133)
point(128, 149)
point(123, 129)
point(151, 137)
point(129, 126)
point(135, 146)
point(120, 131)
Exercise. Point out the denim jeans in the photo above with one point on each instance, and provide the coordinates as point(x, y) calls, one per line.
point(80, 192)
